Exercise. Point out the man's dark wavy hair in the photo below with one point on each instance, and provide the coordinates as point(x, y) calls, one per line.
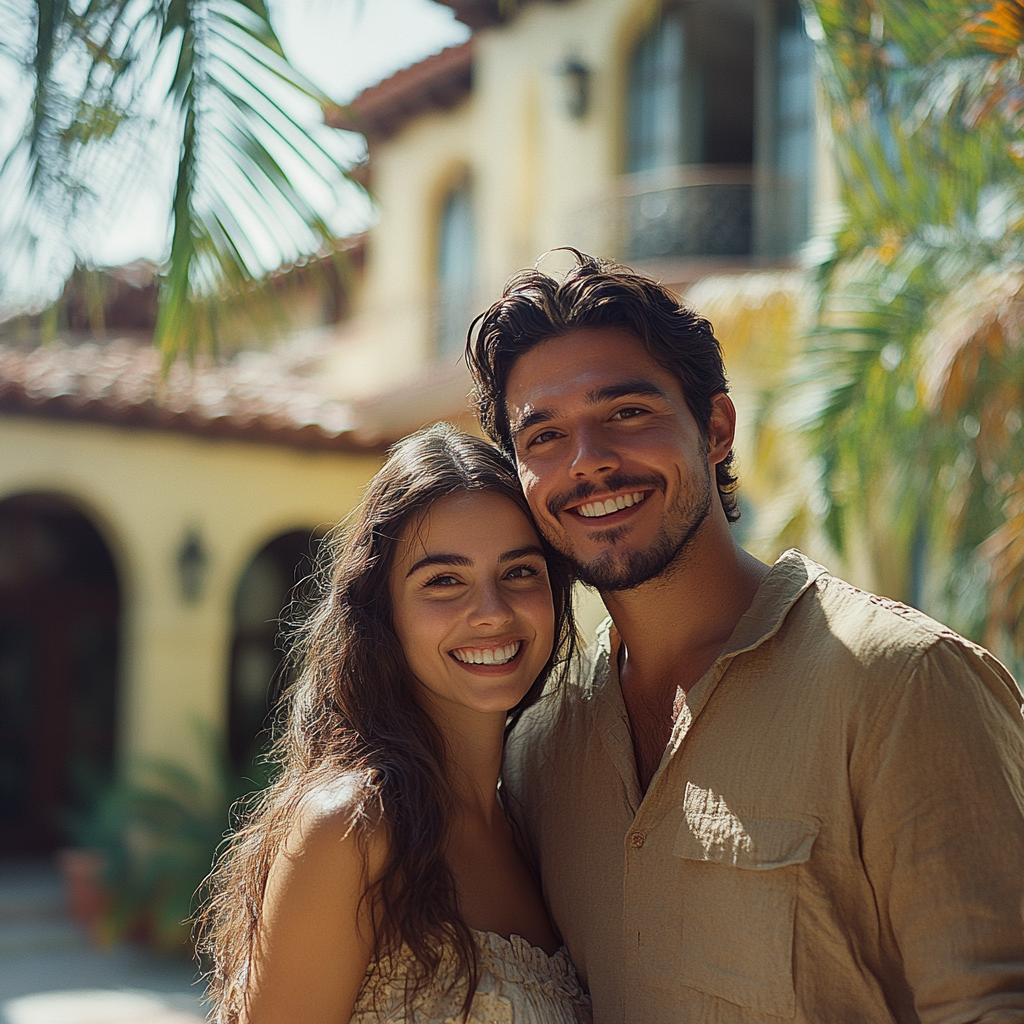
point(596, 293)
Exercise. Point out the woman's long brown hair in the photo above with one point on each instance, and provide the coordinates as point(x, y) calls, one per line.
point(350, 714)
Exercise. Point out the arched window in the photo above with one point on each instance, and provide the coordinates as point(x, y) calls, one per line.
point(456, 272)
point(692, 88)
point(59, 625)
point(264, 591)
point(654, 126)
point(698, 124)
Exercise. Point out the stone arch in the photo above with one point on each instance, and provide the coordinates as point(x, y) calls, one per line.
point(268, 584)
point(61, 599)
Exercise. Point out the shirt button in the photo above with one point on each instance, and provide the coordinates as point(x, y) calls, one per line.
point(637, 839)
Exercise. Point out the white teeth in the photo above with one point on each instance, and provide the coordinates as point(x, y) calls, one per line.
point(487, 655)
point(603, 508)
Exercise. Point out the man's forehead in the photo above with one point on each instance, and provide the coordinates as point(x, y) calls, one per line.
point(585, 366)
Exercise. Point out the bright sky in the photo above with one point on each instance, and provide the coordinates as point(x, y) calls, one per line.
point(346, 45)
point(342, 46)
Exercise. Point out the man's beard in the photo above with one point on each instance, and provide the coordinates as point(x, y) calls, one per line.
point(625, 570)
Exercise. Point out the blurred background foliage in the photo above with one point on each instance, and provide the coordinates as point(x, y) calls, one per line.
point(123, 91)
point(157, 827)
point(908, 389)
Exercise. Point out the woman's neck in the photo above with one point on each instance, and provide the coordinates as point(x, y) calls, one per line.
point(474, 743)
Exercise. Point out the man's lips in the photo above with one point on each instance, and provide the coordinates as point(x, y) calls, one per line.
point(598, 508)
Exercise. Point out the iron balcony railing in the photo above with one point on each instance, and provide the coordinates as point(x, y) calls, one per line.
point(697, 211)
point(688, 211)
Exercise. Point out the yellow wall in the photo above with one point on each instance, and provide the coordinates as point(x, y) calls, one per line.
point(143, 490)
point(540, 178)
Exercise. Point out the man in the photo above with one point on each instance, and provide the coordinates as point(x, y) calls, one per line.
point(767, 795)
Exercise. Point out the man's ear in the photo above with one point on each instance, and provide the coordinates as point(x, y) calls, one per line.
point(721, 428)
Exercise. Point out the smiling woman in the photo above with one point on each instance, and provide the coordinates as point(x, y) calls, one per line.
point(472, 604)
point(378, 879)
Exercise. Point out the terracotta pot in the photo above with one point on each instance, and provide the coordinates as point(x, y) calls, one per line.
point(88, 899)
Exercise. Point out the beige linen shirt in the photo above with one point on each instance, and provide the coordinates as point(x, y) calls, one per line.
point(835, 832)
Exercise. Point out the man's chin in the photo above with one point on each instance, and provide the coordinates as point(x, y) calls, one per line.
point(623, 570)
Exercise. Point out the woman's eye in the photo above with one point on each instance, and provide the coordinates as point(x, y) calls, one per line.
point(441, 581)
point(522, 572)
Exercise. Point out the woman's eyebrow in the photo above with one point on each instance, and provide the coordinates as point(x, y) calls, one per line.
point(441, 559)
point(511, 556)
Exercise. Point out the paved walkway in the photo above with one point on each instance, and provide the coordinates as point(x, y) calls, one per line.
point(50, 972)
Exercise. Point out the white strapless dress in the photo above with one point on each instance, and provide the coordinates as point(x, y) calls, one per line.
point(519, 984)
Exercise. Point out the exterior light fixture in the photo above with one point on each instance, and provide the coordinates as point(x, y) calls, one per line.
point(575, 77)
point(192, 563)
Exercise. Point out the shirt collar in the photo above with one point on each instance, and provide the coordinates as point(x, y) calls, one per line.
point(791, 575)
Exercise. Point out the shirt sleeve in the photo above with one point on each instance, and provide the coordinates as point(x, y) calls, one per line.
point(938, 779)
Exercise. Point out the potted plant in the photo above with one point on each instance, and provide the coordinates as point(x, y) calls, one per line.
point(147, 841)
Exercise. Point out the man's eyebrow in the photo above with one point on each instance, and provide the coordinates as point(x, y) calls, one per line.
point(441, 559)
point(511, 556)
point(531, 419)
point(624, 389)
point(639, 386)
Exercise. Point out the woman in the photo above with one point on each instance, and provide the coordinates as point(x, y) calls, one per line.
point(377, 879)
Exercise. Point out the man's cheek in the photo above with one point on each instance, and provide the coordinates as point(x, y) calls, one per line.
point(531, 484)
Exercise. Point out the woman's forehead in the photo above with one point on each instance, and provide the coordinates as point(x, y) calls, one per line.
point(480, 522)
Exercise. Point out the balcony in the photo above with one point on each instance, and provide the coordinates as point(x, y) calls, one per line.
point(691, 211)
point(698, 214)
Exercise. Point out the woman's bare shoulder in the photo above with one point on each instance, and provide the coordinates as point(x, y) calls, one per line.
point(337, 819)
point(316, 936)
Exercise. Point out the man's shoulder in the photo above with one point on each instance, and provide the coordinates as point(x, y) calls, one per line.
point(871, 623)
point(882, 637)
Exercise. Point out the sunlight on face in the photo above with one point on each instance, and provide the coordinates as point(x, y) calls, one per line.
point(472, 604)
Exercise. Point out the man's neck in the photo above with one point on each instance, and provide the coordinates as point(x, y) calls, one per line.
point(674, 628)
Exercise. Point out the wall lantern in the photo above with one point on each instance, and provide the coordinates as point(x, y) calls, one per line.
point(575, 77)
point(192, 563)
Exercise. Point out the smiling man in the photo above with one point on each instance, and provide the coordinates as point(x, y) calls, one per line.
point(767, 794)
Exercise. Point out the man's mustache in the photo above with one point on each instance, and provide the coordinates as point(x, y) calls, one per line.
point(558, 503)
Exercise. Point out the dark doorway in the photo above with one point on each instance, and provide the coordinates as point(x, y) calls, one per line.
point(271, 581)
point(59, 611)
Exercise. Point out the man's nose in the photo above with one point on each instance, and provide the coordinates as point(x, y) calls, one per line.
point(593, 455)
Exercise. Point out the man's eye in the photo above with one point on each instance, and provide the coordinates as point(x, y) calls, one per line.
point(542, 437)
point(630, 413)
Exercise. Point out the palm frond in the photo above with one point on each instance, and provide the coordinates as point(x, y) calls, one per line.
point(259, 179)
point(912, 380)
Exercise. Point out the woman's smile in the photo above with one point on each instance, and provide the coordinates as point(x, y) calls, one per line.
point(494, 656)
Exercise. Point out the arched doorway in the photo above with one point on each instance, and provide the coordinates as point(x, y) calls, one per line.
point(59, 624)
point(267, 586)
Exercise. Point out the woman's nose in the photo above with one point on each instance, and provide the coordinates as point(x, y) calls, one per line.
point(490, 608)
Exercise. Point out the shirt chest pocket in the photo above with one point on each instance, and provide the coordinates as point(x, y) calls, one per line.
point(739, 881)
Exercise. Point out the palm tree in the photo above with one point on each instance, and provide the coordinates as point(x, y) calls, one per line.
point(913, 379)
point(121, 89)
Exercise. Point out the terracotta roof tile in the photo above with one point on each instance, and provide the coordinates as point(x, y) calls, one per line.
point(435, 83)
point(270, 397)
